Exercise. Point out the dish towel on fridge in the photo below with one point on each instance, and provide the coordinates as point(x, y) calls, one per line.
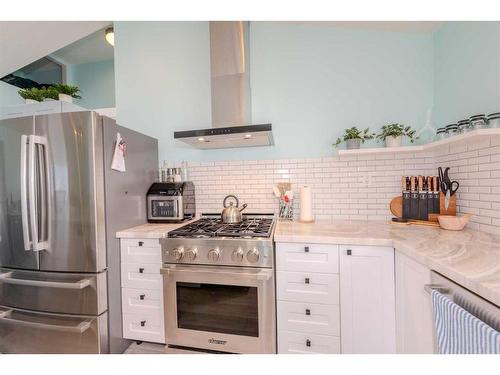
point(118, 161)
point(460, 332)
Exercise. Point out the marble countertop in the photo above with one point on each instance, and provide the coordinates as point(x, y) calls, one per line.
point(470, 258)
point(153, 231)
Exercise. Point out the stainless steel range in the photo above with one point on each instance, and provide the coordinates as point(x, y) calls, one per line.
point(219, 285)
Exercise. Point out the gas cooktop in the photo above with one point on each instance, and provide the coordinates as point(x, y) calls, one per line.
point(211, 225)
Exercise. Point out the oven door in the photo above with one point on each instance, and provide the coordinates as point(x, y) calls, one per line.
point(161, 207)
point(228, 309)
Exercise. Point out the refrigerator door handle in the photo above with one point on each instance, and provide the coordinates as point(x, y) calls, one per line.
point(79, 328)
point(24, 194)
point(34, 214)
point(7, 278)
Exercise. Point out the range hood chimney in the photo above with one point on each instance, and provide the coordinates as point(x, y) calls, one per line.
point(231, 100)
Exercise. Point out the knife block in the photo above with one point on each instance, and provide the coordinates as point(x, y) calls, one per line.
point(452, 208)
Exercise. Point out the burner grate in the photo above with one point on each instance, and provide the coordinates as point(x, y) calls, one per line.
point(207, 227)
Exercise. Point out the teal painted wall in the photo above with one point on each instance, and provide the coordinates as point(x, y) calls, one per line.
point(9, 95)
point(96, 81)
point(310, 81)
point(467, 70)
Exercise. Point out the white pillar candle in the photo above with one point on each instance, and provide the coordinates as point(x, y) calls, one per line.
point(305, 196)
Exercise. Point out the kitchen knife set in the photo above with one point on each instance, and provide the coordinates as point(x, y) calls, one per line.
point(420, 197)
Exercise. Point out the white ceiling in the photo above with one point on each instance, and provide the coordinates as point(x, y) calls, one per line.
point(92, 48)
point(22, 42)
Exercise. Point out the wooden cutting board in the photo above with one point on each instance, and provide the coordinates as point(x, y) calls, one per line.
point(396, 206)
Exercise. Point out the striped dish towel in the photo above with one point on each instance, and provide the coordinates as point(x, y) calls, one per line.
point(460, 332)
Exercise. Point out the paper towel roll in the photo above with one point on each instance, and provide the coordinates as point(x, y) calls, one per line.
point(305, 197)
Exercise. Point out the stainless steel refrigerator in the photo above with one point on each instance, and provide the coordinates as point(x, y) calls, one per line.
point(60, 206)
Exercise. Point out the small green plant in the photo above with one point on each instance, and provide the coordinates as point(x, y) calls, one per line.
point(355, 133)
point(68, 90)
point(50, 93)
point(396, 130)
point(33, 93)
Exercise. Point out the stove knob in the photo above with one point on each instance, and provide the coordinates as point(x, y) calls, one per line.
point(214, 255)
point(191, 254)
point(237, 256)
point(253, 256)
point(176, 254)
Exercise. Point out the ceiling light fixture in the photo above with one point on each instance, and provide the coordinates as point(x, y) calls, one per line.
point(248, 136)
point(109, 34)
point(201, 139)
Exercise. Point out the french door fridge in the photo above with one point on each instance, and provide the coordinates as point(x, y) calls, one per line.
point(57, 197)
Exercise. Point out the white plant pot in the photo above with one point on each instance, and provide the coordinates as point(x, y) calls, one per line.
point(30, 101)
point(393, 141)
point(353, 144)
point(65, 98)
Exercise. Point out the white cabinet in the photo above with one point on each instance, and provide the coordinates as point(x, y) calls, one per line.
point(367, 299)
point(308, 313)
point(142, 290)
point(42, 108)
point(413, 307)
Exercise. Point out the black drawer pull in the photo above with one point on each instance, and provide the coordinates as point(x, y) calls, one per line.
point(306, 280)
point(349, 252)
point(308, 343)
point(141, 270)
point(142, 296)
point(143, 323)
point(306, 249)
point(308, 312)
point(141, 243)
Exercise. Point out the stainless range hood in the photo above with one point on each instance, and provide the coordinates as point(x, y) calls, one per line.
point(231, 101)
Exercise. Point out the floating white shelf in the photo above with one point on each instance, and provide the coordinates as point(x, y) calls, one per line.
point(475, 134)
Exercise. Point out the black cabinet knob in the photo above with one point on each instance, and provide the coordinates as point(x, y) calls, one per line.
point(141, 243)
point(349, 252)
point(141, 270)
point(306, 249)
point(142, 296)
point(143, 323)
point(308, 343)
point(306, 280)
point(308, 312)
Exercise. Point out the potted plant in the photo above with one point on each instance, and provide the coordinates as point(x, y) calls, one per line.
point(353, 137)
point(31, 95)
point(393, 133)
point(67, 92)
point(50, 93)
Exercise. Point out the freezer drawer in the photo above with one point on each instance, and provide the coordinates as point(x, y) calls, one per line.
point(68, 293)
point(29, 332)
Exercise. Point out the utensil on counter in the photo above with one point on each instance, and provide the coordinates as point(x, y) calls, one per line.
point(453, 222)
point(448, 187)
point(422, 199)
point(232, 214)
point(413, 198)
point(405, 182)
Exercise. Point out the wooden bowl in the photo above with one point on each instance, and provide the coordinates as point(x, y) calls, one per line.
point(450, 222)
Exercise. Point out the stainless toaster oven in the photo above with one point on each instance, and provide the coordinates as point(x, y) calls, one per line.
point(170, 202)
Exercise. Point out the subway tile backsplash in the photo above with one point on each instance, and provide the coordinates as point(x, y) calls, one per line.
point(356, 187)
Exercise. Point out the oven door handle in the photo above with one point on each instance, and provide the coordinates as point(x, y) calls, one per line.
point(262, 275)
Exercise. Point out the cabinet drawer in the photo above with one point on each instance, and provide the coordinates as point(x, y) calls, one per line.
point(303, 343)
point(140, 251)
point(141, 276)
point(309, 318)
point(143, 327)
point(307, 257)
point(142, 301)
point(308, 287)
